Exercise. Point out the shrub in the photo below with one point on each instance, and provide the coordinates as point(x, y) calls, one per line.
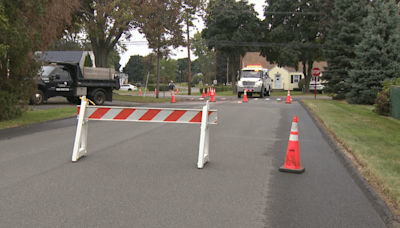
point(382, 101)
point(301, 84)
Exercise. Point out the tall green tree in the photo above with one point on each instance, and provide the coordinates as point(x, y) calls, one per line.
point(169, 68)
point(205, 57)
point(294, 26)
point(378, 54)
point(26, 27)
point(161, 24)
point(230, 26)
point(134, 68)
point(343, 34)
point(106, 22)
point(182, 73)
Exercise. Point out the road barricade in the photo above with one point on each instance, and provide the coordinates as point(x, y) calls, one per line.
point(203, 116)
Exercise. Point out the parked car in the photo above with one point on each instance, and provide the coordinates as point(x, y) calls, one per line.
point(319, 86)
point(128, 87)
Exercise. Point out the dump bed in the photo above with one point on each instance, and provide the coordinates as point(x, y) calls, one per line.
point(98, 73)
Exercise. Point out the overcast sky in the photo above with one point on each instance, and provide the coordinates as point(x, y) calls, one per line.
point(139, 46)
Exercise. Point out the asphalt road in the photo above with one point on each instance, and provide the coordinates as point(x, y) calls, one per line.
point(145, 174)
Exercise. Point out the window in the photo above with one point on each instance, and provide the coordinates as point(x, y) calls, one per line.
point(295, 78)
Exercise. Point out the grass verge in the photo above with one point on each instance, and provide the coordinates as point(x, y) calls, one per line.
point(372, 140)
point(38, 116)
point(140, 99)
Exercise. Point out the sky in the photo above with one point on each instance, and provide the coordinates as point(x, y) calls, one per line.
point(138, 45)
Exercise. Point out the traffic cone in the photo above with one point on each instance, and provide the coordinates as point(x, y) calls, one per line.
point(208, 91)
point(292, 161)
point(172, 97)
point(140, 91)
point(245, 96)
point(155, 91)
point(212, 95)
point(288, 100)
point(204, 94)
point(177, 90)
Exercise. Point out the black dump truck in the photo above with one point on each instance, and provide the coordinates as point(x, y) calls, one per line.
point(71, 81)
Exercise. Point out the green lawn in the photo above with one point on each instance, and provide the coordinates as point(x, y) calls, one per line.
point(38, 116)
point(372, 139)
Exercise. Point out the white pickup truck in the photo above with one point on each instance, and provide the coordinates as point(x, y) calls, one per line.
point(254, 79)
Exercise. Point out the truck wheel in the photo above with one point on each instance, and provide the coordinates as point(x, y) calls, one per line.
point(262, 92)
point(99, 98)
point(73, 100)
point(37, 98)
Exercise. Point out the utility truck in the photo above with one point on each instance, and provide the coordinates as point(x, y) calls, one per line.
point(254, 79)
point(71, 81)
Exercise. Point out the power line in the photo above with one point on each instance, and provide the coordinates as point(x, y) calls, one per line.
point(258, 44)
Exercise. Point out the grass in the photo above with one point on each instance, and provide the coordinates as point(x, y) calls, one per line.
point(140, 99)
point(373, 140)
point(38, 116)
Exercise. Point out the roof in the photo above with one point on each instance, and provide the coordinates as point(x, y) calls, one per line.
point(62, 56)
point(256, 58)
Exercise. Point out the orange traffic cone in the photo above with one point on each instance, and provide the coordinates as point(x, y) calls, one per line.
point(208, 91)
point(292, 161)
point(204, 94)
point(155, 91)
point(172, 97)
point(288, 100)
point(245, 96)
point(177, 90)
point(212, 95)
point(140, 91)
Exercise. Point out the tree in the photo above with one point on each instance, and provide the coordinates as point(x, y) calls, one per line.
point(161, 23)
point(296, 25)
point(190, 9)
point(134, 68)
point(182, 69)
point(106, 21)
point(228, 23)
point(169, 68)
point(26, 27)
point(342, 36)
point(378, 54)
point(206, 57)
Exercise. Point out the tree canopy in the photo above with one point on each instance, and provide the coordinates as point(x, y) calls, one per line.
point(296, 24)
point(344, 33)
point(377, 55)
point(229, 26)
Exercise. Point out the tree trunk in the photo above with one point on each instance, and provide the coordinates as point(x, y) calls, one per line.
point(233, 73)
point(158, 72)
point(100, 54)
point(189, 70)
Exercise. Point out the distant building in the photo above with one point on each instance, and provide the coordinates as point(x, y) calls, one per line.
point(284, 78)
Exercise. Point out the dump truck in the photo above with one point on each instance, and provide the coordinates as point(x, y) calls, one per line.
point(71, 81)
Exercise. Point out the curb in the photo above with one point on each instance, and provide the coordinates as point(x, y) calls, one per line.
point(379, 204)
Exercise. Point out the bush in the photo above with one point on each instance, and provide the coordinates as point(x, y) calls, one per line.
point(152, 87)
point(301, 84)
point(382, 101)
point(9, 109)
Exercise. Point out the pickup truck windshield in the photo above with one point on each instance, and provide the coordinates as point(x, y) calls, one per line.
point(46, 70)
point(251, 74)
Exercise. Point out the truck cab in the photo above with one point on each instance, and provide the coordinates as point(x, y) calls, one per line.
point(254, 79)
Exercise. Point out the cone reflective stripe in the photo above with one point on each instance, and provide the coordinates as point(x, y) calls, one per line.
point(292, 161)
point(204, 94)
point(288, 100)
point(172, 97)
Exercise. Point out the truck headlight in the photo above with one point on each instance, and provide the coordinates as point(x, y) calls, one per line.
point(258, 84)
point(240, 84)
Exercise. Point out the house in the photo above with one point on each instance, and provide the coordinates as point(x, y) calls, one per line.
point(284, 78)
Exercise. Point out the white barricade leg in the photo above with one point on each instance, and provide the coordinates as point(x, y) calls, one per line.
point(204, 138)
point(80, 145)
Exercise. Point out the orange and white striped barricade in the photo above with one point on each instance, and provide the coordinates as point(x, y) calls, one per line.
point(203, 116)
